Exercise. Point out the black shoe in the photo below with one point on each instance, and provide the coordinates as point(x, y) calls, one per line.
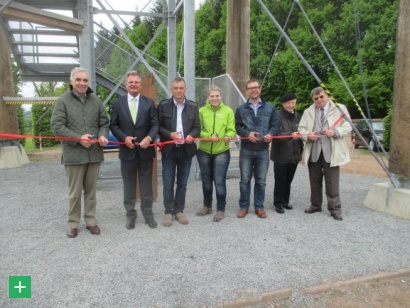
point(279, 209)
point(336, 216)
point(288, 206)
point(151, 223)
point(130, 224)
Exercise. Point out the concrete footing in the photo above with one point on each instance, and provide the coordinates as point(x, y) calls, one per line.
point(394, 201)
point(13, 156)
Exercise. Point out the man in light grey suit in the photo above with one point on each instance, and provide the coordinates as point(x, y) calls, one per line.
point(134, 121)
point(323, 128)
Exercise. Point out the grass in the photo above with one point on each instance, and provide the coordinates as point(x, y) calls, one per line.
point(29, 146)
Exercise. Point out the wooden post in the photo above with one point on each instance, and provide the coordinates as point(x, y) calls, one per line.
point(149, 90)
point(8, 113)
point(399, 160)
point(12, 154)
point(238, 41)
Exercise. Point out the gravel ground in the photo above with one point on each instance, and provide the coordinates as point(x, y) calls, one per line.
point(201, 264)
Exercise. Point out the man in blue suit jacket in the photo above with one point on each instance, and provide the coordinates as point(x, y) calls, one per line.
point(134, 121)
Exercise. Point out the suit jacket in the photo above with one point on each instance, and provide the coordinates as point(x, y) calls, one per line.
point(339, 148)
point(167, 114)
point(121, 126)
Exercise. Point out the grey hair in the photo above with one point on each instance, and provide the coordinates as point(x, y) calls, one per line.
point(133, 73)
point(317, 91)
point(179, 79)
point(77, 70)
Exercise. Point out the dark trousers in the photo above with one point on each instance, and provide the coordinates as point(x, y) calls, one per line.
point(129, 169)
point(284, 174)
point(176, 164)
point(317, 171)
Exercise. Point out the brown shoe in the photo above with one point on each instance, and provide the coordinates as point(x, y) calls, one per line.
point(219, 216)
point(94, 229)
point(336, 216)
point(242, 213)
point(168, 218)
point(72, 232)
point(312, 210)
point(181, 218)
point(204, 211)
point(260, 213)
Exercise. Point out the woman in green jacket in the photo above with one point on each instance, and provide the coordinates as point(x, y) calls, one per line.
point(218, 124)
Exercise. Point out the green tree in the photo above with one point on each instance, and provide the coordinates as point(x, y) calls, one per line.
point(41, 114)
point(333, 20)
point(210, 38)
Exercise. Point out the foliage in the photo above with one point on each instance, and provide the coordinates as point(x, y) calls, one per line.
point(41, 114)
point(335, 24)
point(362, 46)
point(387, 129)
point(210, 39)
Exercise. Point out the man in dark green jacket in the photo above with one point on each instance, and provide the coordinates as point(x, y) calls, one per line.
point(80, 115)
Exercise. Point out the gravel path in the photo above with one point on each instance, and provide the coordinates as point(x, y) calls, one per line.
point(198, 265)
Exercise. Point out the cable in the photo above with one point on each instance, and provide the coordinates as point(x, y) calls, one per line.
point(277, 45)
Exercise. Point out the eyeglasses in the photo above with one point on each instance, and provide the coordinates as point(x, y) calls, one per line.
point(319, 97)
point(253, 88)
point(289, 103)
point(134, 82)
point(81, 79)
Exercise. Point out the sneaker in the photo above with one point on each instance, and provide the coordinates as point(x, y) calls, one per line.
point(204, 211)
point(167, 222)
point(219, 216)
point(181, 218)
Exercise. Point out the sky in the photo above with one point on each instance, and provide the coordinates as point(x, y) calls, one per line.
point(27, 90)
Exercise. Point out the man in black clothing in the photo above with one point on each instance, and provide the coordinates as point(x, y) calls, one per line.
point(286, 153)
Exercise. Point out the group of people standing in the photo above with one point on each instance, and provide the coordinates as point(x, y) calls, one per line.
point(316, 138)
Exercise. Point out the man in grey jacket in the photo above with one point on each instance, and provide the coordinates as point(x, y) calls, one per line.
point(81, 116)
point(323, 128)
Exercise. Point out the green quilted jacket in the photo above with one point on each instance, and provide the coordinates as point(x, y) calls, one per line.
point(73, 118)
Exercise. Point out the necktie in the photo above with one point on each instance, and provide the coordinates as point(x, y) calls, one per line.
point(134, 109)
point(322, 117)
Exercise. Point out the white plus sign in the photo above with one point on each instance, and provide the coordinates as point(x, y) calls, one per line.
point(19, 287)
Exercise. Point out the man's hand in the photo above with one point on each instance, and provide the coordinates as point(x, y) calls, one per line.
point(174, 135)
point(314, 136)
point(145, 142)
point(102, 141)
point(267, 138)
point(189, 139)
point(253, 137)
point(227, 139)
point(329, 132)
point(86, 140)
point(214, 138)
point(130, 142)
point(295, 135)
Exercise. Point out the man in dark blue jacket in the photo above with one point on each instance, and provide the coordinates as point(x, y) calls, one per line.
point(258, 121)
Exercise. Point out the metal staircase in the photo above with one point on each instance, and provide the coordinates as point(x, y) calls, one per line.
point(46, 39)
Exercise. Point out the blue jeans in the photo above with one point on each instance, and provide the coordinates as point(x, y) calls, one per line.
point(176, 163)
point(213, 169)
point(254, 163)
